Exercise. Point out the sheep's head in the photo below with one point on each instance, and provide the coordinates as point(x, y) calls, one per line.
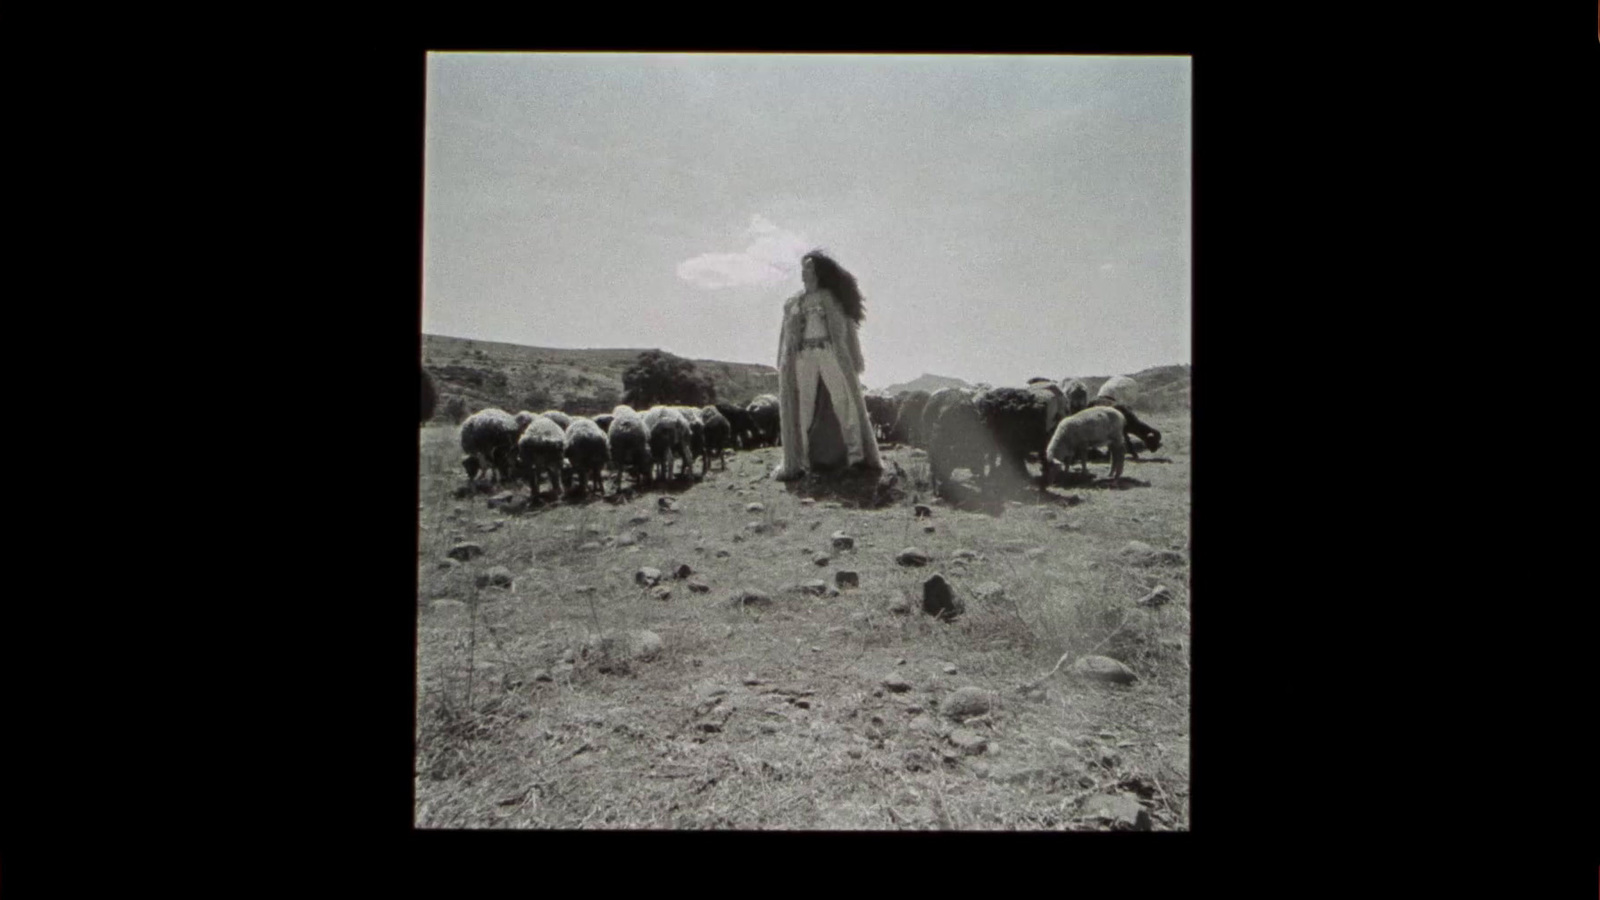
point(1153, 440)
point(470, 463)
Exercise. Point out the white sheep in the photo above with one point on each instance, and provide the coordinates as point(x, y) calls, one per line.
point(586, 450)
point(1120, 388)
point(489, 440)
point(697, 436)
point(558, 417)
point(669, 436)
point(628, 444)
point(1094, 427)
point(541, 450)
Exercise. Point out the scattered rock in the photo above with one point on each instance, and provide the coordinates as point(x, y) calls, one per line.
point(583, 589)
point(821, 559)
point(922, 511)
point(969, 742)
point(845, 579)
point(949, 668)
point(754, 507)
point(667, 503)
point(738, 539)
point(447, 563)
point(661, 593)
point(989, 590)
point(543, 675)
point(842, 541)
point(499, 576)
point(612, 648)
point(1122, 811)
point(757, 527)
point(486, 527)
point(647, 576)
point(929, 529)
point(815, 586)
point(627, 540)
point(752, 598)
point(465, 551)
point(965, 554)
point(1103, 668)
point(964, 703)
point(911, 556)
point(722, 554)
point(896, 684)
point(696, 586)
point(939, 600)
point(682, 571)
point(639, 519)
point(900, 606)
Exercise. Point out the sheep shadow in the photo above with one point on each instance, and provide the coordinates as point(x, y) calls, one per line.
point(1092, 481)
point(859, 489)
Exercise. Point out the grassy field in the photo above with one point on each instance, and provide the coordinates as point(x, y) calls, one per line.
point(808, 711)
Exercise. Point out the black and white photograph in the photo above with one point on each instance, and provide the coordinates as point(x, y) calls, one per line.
point(804, 442)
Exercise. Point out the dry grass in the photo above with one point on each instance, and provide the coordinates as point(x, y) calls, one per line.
point(778, 717)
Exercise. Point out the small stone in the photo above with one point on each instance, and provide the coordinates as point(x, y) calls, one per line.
point(667, 503)
point(543, 675)
point(922, 511)
point(1122, 811)
point(949, 668)
point(929, 529)
point(842, 541)
point(845, 579)
point(965, 554)
point(821, 559)
point(966, 702)
point(752, 598)
point(465, 551)
point(738, 539)
point(583, 589)
point(1104, 668)
point(447, 563)
point(639, 520)
point(500, 576)
point(900, 606)
point(627, 540)
point(722, 554)
point(757, 527)
point(754, 507)
point(1158, 597)
point(939, 600)
point(696, 586)
point(815, 586)
point(989, 590)
point(896, 684)
point(682, 571)
point(647, 576)
point(969, 742)
point(911, 556)
point(661, 593)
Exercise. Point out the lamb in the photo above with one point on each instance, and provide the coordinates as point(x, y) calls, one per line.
point(628, 445)
point(741, 426)
point(1120, 388)
point(540, 451)
point(1095, 426)
point(668, 435)
point(604, 421)
point(766, 416)
point(585, 448)
point(697, 436)
point(489, 440)
point(558, 417)
point(958, 438)
point(908, 424)
point(1150, 437)
point(1023, 420)
point(719, 433)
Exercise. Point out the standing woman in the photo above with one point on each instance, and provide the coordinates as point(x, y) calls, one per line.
point(822, 412)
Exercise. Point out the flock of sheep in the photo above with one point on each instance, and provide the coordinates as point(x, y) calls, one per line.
point(572, 452)
point(989, 429)
point(982, 429)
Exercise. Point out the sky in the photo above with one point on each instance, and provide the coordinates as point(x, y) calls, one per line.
point(1005, 216)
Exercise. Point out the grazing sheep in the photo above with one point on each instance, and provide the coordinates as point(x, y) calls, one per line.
point(1149, 437)
point(430, 396)
point(958, 437)
point(1094, 427)
point(1077, 396)
point(540, 451)
point(742, 427)
point(881, 409)
point(764, 413)
point(1120, 388)
point(586, 450)
point(719, 433)
point(523, 418)
point(558, 417)
point(697, 436)
point(1023, 420)
point(489, 438)
point(908, 424)
point(628, 445)
point(604, 421)
point(668, 436)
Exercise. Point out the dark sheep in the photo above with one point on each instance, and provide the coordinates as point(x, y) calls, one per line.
point(697, 436)
point(489, 438)
point(765, 414)
point(1077, 396)
point(958, 438)
point(604, 421)
point(719, 433)
point(1023, 420)
point(882, 410)
point(908, 424)
point(741, 427)
point(1149, 437)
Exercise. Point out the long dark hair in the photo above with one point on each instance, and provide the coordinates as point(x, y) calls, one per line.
point(842, 284)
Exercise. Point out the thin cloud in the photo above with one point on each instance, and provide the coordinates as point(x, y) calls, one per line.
point(772, 256)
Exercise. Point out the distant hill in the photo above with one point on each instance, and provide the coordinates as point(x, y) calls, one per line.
point(926, 382)
point(472, 375)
